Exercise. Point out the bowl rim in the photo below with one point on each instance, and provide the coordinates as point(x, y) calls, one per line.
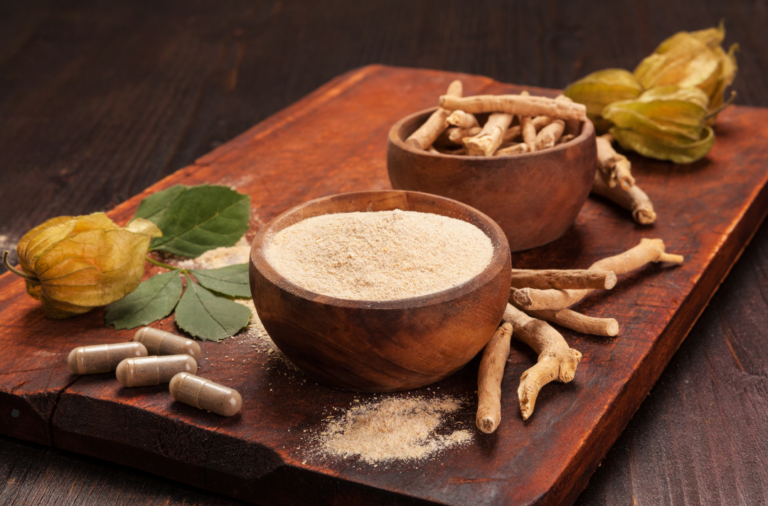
point(395, 139)
point(501, 254)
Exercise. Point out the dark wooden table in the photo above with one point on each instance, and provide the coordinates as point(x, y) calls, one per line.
point(100, 99)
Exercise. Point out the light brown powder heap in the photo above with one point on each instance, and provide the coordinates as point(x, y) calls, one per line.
point(383, 255)
point(219, 257)
point(397, 428)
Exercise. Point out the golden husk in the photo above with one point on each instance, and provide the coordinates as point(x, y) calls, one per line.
point(666, 123)
point(692, 59)
point(601, 88)
point(78, 263)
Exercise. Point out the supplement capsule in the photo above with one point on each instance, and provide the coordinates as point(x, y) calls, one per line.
point(205, 394)
point(102, 357)
point(160, 342)
point(145, 371)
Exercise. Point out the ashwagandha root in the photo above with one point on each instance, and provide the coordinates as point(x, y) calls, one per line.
point(515, 132)
point(616, 167)
point(456, 135)
point(648, 251)
point(514, 149)
point(462, 119)
point(578, 322)
point(634, 199)
point(556, 360)
point(561, 279)
point(566, 138)
point(572, 127)
point(434, 126)
point(549, 135)
point(520, 105)
point(528, 132)
point(489, 379)
point(527, 128)
point(489, 139)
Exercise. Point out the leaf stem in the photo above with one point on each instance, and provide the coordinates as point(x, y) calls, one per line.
point(19, 273)
point(166, 266)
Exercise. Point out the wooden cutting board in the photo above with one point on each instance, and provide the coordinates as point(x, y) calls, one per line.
point(334, 141)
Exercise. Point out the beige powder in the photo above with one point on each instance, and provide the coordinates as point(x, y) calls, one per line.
point(215, 258)
point(384, 255)
point(396, 428)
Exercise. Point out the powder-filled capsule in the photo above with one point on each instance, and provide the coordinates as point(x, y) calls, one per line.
point(102, 357)
point(205, 394)
point(145, 371)
point(160, 342)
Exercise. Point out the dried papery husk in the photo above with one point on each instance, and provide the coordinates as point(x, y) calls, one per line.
point(666, 123)
point(663, 150)
point(601, 88)
point(73, 264)
point(692, 59)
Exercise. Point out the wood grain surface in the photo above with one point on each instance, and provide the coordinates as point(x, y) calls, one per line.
point(259, 454)
point(99, 100)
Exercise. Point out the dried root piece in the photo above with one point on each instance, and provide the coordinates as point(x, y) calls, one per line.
point(556, 360)
point(528, 132)
point(489, 379)
point(649, 250)
point(514, 149)
point(633, 199)
point(489, 139)
point(456, 135)
point(561, 279)
point(432, 150)
point(549, 135)
point(572, 127)
point(515, 132)
point(462, 119)
point(616, 167)
point(527, 128)
point(566, 138)
point(520, 105)
point(578, 322)
point(427, 133)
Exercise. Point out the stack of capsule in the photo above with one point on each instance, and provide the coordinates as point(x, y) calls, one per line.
point(154, 357)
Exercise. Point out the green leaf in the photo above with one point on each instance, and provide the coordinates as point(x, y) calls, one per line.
point(231, 280)
point(153, 207)
point(209, 317)
point(154, 299)
point(202, 218)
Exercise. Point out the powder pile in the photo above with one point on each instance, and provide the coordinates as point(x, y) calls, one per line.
point(219, 257)
point(385, 255)
point(397, 428)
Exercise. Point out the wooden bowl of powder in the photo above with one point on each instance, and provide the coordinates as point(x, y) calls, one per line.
point(534, 197)
point(380, 291)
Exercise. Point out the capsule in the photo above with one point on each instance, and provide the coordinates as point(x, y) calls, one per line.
point(145, 371)
point(205, 394)
point(102, 357)
point(160, 342)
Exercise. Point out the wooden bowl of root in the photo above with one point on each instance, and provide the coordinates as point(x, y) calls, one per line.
point(534, 197)
point(383, 345)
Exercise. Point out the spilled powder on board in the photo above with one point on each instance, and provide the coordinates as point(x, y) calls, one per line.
point(384, 255)
point(215, 258)
point(255, 329)
point(396, 428)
